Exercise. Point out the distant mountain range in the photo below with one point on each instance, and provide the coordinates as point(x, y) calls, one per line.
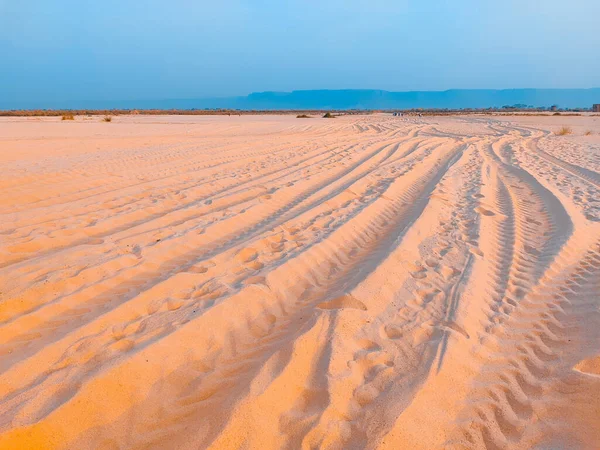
point(354, 99)
point(377, 99)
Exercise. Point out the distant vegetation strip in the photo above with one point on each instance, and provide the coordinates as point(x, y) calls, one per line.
point(300, 113)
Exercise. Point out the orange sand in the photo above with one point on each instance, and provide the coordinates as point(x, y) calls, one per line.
point(266, 282)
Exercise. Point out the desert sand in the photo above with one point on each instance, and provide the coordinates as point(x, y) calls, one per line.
point(267, 282)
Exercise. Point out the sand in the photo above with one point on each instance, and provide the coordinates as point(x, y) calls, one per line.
point(266, 282)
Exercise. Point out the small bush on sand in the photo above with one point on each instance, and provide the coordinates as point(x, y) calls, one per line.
point(588, 133)
point(302, 116)
point(556, 114)
point(107, 119)
point(328, 115)
point(68, 117)
point(563, 131)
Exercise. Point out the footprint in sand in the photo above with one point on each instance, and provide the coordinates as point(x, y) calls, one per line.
point(392, 331)
point(448, 272)
point(427, 294)
point(343, 302)
point(198, 269)
point(419, 275)
point(247, 254)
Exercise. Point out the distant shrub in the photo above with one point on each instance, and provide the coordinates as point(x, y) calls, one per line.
point(588, 133)
point(68, 117)
point(563, 131)
point(328, 115)
point(302, 116)
point(107, 119)
point(556, 114)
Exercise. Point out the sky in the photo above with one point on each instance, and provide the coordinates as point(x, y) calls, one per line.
point(73, 50)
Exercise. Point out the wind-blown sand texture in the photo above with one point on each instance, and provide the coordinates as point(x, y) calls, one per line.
point(271, 282)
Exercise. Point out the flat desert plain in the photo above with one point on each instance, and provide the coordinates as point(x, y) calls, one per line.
point(267, 282)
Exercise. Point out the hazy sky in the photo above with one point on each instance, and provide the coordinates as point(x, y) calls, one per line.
point(153, 49)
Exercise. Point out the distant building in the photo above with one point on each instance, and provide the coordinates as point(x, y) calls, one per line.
point(596, 107)
point(553, 108)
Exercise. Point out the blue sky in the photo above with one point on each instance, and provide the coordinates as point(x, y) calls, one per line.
point(124, 49)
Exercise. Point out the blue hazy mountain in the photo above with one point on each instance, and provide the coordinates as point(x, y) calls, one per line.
point(378, 99)
point(352, 99)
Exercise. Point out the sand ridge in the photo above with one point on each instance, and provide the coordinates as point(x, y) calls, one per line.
point(273, 282)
